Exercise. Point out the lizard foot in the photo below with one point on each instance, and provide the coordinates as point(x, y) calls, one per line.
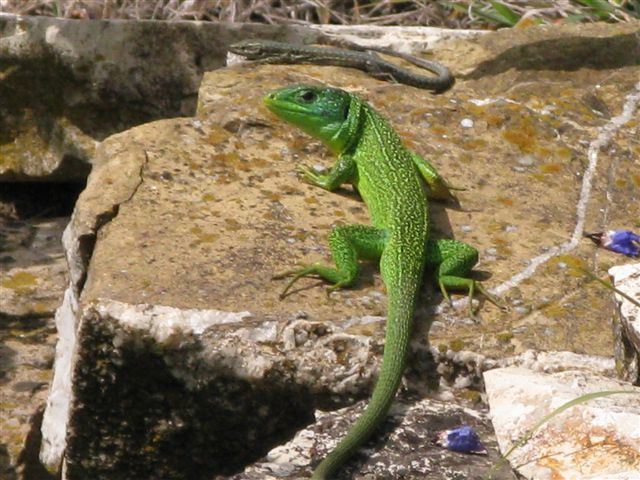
point(472, 286)
point(491, 298)
point(337, 278)
point(498, 302)
point(311, 176)
point(296, 273)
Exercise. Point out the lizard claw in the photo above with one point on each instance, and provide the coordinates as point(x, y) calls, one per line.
point(308, 174)
point(297, 274)
point(498, 302)
point(335, 287)
point(445, 294)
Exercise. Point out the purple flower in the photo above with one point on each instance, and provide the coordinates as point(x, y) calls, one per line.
point(620, 241)
point(461, 439)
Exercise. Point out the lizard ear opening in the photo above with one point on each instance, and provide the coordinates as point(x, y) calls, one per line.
point(345, 113)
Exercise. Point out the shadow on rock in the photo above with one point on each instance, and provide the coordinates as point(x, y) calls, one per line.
point(564, 54)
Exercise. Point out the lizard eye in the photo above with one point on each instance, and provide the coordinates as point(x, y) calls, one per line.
point(308, 96)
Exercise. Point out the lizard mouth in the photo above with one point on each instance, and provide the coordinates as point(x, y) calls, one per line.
point(300, 115)
point(276, 105)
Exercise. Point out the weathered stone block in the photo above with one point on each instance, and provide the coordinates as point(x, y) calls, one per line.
point(596, 439)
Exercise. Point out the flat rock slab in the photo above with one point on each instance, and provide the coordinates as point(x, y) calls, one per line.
point(597, 439)
point(187, 363)
point(536, 167)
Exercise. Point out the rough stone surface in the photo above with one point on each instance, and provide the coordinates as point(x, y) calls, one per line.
point(65, 84)
point(404, 449)
point(32, 280)
point(189, 219)
point(403, 39)
point(550, 362)
point(33, 275)
point(626, 278)
point(598, 439)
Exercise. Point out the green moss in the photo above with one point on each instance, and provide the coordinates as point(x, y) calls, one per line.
point(472, 396)
point(549, 168)
point(504, 336)
point(456, 344)
point(554, 310)
point(523, 136)
point(217, 135)
point(202, 237)
point(575, 264)
point(20, 281)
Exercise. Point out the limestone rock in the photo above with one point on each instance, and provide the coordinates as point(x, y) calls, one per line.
point(627, 322)
point(66, 85)
point(598, 439)
point(551, 362)
point(405, 39)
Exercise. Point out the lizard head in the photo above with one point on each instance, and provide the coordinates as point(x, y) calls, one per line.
point(319, 111)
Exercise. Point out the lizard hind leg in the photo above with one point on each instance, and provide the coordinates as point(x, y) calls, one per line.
point(348, 243)
point(452, 261)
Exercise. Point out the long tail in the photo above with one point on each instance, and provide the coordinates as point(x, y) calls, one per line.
point(398, 334)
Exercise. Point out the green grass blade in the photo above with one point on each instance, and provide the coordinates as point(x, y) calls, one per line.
point(608, 285)
point(454, 6)
point(576, 18)
point(491, 16)
point(601, 8)
point(508, 14)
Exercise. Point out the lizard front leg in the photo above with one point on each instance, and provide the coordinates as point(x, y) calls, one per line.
point(348, 243)
point(439, 188)
point(343, 171)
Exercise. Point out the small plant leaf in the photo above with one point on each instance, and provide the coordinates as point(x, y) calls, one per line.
point(511, 16)
point(576, 18)
point(601, 8)
point(492, 16)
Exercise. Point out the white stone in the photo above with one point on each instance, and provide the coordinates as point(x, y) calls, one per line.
point(56, 414)
point(402, 39)
point(163, 322)
point(597, 439)
point(548, 362)
point(466, 123)
point(626, 278)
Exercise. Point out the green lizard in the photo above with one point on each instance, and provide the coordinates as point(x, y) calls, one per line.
point(389, 178)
